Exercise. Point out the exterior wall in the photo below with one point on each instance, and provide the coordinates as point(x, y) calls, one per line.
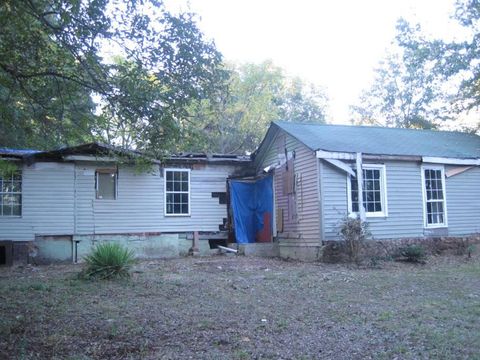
point(405, 203)
point(59, 209)
point(305, 229)
point(139, 206)
point(463, 192)
point(47, 203)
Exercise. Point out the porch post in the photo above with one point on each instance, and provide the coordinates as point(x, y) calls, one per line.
point(361, 209)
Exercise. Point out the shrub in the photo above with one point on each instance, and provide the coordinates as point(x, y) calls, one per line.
point(109, 260)
point(354, 232)
point(413, 253)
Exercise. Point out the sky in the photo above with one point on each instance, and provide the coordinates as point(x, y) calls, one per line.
point(330, 43)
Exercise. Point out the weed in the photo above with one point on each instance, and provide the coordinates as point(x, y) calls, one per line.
point(413, 253)
point(241, 355)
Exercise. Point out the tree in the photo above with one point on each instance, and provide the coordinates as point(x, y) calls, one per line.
point(236, 119)
point(406, 92)
point(58, 86)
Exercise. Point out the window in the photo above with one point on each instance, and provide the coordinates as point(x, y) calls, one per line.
point(177, 192)
point(11, 194)
point(106, 184)
point(374, 191)
point(435, 211)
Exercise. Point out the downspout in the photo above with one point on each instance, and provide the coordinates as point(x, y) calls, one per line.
point(361, 209)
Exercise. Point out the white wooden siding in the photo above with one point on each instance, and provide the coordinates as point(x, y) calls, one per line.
point(139, 206)
point(47, 203)
point(404, 196)
point(307, 226)
point(463, 202)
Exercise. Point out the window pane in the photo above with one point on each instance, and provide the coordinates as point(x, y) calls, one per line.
point(176, 209)
point(16, 210)
point(184, 198)
point(106, 186)
point(184, 208)
point(184, 185)
point(169, 175)
point(176, 186)
point(184, 176)
point(176, 198)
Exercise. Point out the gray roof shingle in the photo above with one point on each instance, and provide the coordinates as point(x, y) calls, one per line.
point(384, 141)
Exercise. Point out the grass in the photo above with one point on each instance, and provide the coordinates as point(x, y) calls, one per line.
point(212, 308)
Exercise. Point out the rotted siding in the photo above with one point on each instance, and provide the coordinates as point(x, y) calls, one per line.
point(404, 198)
point(307, 222)
point(139, 206)
point(47, 203)
point(463, 205)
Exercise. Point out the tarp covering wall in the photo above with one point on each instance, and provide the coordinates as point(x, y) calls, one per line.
point(252, 206)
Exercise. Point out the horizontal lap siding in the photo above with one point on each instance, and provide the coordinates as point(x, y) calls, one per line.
point(308, 223)
point(405, 203)
point(334, 188)
point(139, 206)
point(47, 203)
point(307, 194)
point(463, 205)
point(404, 197)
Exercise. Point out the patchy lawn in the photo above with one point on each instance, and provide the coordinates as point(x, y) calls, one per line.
point(243, 308)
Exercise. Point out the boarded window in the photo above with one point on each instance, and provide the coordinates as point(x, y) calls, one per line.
point(106, 184)
point(289, 178)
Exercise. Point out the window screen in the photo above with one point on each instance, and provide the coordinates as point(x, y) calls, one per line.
point(106, 184)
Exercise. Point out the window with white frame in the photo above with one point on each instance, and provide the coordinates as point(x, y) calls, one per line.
point(374, 191)
point(177, 192)
point(434, 196)
point(106, 184)
point(11, 194)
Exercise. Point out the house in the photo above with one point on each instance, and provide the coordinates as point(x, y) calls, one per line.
point(287, 199)
point(57, 204)
point(414, 184)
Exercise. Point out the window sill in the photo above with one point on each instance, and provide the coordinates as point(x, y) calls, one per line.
point(435, 227)
point(177, 215)
point(372, 215)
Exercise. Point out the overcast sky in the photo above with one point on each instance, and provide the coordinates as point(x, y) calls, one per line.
point(335, 44)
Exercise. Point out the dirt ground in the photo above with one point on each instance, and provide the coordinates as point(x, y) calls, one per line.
point(228, 307)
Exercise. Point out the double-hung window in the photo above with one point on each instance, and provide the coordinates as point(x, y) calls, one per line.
point(374, 191)
point(435, 210)
point(177, 192)
point(11, 194)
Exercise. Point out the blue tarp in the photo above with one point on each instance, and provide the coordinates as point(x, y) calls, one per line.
point(252, 203)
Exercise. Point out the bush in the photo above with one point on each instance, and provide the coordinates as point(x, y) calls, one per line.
point(109, 260)
point(354, 232)
point(413, 253)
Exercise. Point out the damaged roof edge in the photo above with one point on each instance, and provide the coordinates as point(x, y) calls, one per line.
point(100, 152)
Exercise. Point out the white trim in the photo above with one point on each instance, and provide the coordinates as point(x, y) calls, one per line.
point(424, 197)
point(165, 191)
point(335, 155)
point(341, 165)
point(450, 161)
point(383, 192)
point(456, 170)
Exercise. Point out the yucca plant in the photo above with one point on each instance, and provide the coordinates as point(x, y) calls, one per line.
point(109, 260)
